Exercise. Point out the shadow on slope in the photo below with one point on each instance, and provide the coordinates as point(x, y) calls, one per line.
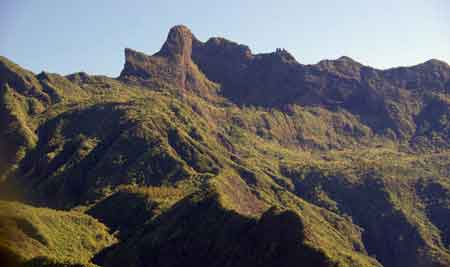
point(204, 233)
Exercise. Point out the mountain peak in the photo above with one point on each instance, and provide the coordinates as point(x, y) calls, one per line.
point(178, 45)
point(436, 62)
point(343, 60)
point(347, 59)
point(343, 66)
point(172, 66)
point(285, 55)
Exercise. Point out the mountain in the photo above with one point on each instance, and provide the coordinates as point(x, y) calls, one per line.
point(205, 154)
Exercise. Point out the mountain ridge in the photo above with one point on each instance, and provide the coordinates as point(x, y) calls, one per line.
point(216, 150)
point(275, 80)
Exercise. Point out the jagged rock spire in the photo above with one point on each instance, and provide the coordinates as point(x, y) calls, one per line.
point(172, 66)
point(178, 45)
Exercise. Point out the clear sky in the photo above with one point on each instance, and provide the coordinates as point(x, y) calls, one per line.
point(90, 35)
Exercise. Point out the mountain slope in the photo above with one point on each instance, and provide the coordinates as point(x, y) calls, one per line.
point(383, 100)
point(207, 154)
point(225, 238)
point(40, 235)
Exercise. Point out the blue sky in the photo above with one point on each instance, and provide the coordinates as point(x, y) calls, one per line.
point(70, 36)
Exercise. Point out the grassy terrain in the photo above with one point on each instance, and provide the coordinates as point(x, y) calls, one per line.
point(41, 234)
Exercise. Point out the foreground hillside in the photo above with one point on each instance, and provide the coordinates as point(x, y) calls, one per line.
point(205, 154)
point(39, 236)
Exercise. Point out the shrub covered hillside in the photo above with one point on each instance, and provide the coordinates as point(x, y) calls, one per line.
point(205, 154)
point(39, 236)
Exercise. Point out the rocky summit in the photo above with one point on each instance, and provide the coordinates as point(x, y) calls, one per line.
point(206, 154)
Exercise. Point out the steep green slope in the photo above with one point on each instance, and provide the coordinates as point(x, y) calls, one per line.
point(383, 194)
point(45, 235)
point(207, 229)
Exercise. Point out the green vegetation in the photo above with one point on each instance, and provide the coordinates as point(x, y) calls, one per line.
point(184, 176)
point(50, 237)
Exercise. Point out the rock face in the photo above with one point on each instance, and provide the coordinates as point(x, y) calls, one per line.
point(276, 80)
point(178, 46)
point(171, 67)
